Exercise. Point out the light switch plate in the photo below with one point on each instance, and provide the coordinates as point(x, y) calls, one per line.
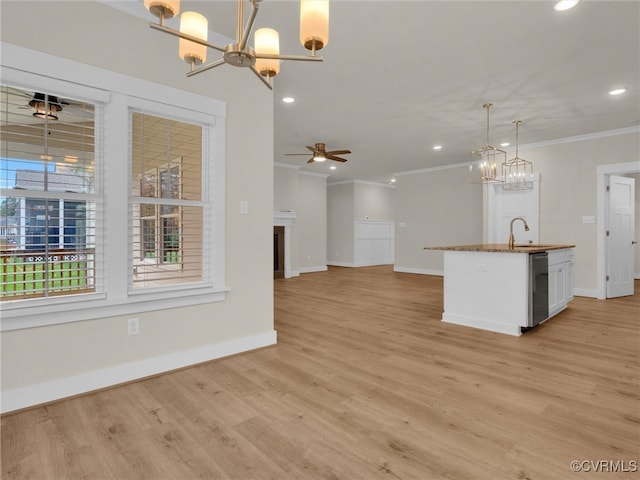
point(244, 207)
point(588, 219)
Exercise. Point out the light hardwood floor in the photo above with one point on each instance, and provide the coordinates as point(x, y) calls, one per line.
point(366, 382)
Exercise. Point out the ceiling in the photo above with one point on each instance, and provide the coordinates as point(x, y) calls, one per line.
point(402, 76)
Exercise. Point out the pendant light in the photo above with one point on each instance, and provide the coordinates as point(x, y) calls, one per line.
point(485, 160)
point(517, 172)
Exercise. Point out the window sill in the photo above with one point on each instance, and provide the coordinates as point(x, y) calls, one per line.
point(19, 316)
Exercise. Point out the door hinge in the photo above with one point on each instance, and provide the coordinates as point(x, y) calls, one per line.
point(608, 233)
point(608, 188)
point(607, 278)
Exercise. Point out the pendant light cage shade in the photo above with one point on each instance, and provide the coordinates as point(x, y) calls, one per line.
point(517, 172)
point(314, 24)
point(484, 164)
point(163, 8)
point(194, 24)
point(267, 41)
point(486, 161)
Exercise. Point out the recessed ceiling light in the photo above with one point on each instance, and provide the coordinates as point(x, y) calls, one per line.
point(393, 180)
point(618, 91)
point(563, 5)
point(333, 167)
point(288, 99)
point(505, 144)
point(437, 147)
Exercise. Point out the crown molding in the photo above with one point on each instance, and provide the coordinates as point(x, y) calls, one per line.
point(365, 182)
point(286, 165)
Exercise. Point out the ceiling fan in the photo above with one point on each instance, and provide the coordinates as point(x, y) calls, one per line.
point(320, 154)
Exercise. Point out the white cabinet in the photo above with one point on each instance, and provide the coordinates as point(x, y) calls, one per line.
point(560, 280)
point(373, 243)
point(569, 263)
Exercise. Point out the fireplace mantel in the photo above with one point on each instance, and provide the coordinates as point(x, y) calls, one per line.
point(286, 219)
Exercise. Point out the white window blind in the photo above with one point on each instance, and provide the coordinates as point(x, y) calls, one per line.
point(49, 207)
point(168, 205)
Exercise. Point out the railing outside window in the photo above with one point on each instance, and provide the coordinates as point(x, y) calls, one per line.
point(34, 274)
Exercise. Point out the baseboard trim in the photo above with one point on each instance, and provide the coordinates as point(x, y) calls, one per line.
point(585, 292)
point(321, 268)
point(341, 264)
point(421, 271)
point(46, 392)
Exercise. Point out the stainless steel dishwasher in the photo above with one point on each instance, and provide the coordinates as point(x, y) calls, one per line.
point(538, 288)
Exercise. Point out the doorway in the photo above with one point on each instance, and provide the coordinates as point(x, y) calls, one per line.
point(603, 174)
point(278, 252)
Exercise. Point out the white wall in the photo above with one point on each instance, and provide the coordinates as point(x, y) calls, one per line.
point(568, 192)
point(45, 358)
point(312, 223)
point(373, 201)
point(435, 208)
point(442, 207)
point(305, 194)
point(340, 217)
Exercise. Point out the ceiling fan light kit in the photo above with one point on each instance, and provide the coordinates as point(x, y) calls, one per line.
point(320, 154)
point(264, 58)
point(45, 106)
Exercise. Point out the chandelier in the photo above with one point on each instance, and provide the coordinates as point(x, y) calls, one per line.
point(264, 59)
point(517, 172)
point(486, 159)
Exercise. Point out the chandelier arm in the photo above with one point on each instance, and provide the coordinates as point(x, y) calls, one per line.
point(186, 36)
point(206, 67)
point(247, 30)
point(262, 79)
point(302, 58)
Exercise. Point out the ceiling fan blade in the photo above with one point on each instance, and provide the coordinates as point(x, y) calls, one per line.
point(311, 148)
point(338, 152)
point(310, 160)
point(337, 159)
point(296, 154)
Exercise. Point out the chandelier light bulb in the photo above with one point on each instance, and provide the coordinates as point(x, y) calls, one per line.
point(267, 41)
point(163, 8)
point(195, 24)
point(314, 24)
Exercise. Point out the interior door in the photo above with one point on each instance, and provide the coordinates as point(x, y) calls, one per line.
point(620, 236)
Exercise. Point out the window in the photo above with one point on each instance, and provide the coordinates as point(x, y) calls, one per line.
point(48, 204)
point(117, 206)
point(167, 202)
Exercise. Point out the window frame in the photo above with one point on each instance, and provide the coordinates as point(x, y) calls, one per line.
point(114, 95)
point(179, 114)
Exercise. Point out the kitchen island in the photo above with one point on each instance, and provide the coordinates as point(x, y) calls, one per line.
point(506, 289)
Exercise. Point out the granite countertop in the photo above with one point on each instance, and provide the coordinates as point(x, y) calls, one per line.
point(502, 248)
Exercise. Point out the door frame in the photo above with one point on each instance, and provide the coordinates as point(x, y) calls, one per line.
point(602, 172)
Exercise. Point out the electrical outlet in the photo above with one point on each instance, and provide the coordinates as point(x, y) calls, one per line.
point(133, 326)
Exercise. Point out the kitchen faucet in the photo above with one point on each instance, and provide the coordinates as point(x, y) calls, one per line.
point(512, 239)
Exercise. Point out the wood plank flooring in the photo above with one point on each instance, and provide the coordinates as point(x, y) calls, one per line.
point(366, 382)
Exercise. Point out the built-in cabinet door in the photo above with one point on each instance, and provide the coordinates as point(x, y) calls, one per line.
point(569, 279)
point(557, 288)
